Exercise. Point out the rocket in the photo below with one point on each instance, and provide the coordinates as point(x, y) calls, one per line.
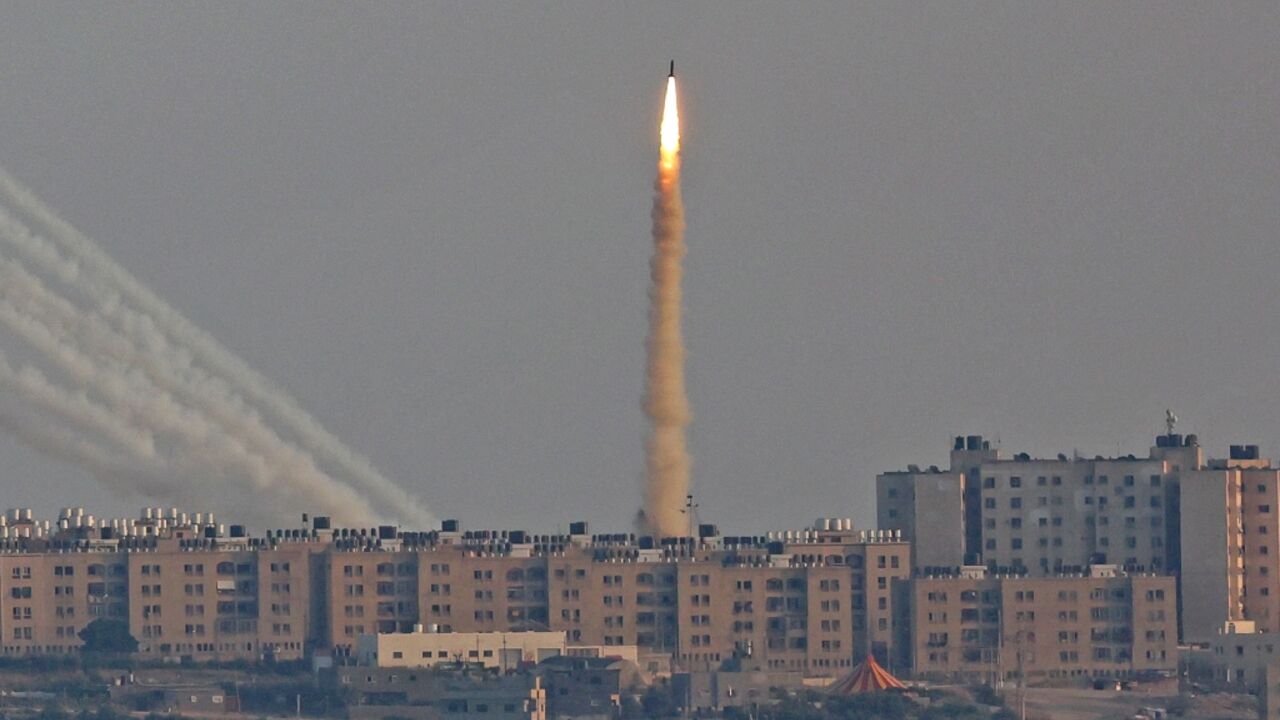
point(673, 69)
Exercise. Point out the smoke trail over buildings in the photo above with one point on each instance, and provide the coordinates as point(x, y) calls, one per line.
point(120, 383)
point(666, 403)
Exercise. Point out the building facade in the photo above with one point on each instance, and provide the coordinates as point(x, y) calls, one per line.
point(1230, 572)
point(811, 601)
point(494, 650)
point(927, 507)
point(976, 627)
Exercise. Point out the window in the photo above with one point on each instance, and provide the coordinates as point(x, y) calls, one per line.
point(989, 503)
point(1264, 508)
point(1015, 482)
point(1015, 503)
point(988, 483)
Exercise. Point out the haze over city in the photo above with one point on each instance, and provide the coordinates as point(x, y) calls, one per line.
point(431, 227)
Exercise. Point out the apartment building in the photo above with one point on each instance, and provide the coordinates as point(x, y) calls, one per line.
point(47, 598)
point(1044, 516)
point(810, 601)
point(974, 626)
point(874, 559)
point(369, 592)
point(1231, 572)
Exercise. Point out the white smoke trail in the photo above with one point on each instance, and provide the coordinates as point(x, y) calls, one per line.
point(124, 379)
point(137, 415)
point(159, 374)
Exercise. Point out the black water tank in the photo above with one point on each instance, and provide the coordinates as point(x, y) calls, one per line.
point(974, 442)
point(578, 528)
point(321, 522)
point(707, 530)
point(236, 531)
point(449, 526)
point(1235, 452)
point(959, 443)
point(1191, 441)
point(1162, 441)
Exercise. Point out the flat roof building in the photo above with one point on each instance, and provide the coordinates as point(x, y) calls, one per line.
point(976, 627)
point(497, 650)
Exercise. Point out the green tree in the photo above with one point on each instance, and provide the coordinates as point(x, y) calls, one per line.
point(108, 636)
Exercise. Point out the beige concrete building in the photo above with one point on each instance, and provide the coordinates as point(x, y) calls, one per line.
point(1230, 572)
point(498, 650)
point(1047, 517)
point(977, 627)
point(47, 599)
point(370, 592)
point(811, 601)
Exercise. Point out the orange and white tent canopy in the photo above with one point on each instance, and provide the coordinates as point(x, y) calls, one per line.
point(867, 677)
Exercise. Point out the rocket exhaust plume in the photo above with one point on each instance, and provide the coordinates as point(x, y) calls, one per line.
point(110, 377)
point(666, 404)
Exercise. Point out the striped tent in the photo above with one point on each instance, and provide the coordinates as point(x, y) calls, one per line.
point(867, 677)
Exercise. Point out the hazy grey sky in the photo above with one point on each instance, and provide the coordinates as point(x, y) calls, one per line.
point(1042, 222)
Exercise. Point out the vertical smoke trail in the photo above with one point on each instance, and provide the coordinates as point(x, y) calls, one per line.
point(665, 402)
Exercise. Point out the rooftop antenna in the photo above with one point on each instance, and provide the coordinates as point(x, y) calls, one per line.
point(1170, 420)
point(689, 508)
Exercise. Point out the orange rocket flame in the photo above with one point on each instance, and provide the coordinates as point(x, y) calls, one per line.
point(670, 123)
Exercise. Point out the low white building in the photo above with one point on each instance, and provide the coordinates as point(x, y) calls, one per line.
point(500, 650)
